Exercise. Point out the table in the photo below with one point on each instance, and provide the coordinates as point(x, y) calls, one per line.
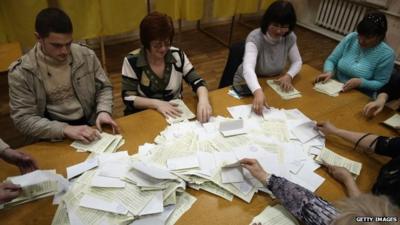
point(343, 111)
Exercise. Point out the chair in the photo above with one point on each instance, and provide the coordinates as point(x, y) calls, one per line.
point(235, 58)
point(9, 52)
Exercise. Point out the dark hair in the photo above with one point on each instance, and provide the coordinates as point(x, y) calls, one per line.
point(156, 26)
point(374, 24)
point(281, 12)
point(52, 20)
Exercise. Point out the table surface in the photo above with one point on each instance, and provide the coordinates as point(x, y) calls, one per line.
point(343, 111)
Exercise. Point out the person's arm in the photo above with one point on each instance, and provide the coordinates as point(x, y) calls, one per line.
point(295, 59)
point(204, 109)
point(285, 81)
point(364, 140)
point(198, 85)
point(24, 112)
point(373, 108)
point(23, 161)
point(250, 76)
point(249, 66)
point(342, 175)
point(104, 97)
point(302, 203)
point(381, 73)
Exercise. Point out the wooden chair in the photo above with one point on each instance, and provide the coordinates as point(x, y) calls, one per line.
point(9, 52)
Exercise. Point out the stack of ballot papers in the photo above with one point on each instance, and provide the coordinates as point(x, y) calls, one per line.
point(107, 143)
point(149, 187)
point(186, 113)
point(393, 121)
point(115, 188)
point(331, 87)
point(275, 215)
point(285, 95)
point(37, 184)
point(329, 157)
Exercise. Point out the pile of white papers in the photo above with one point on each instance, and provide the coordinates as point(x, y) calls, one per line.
point(331, 87)
point(149, 187)
point(186, 113)
point(283, 141)
point(115, 188)
point(285, 95)
point(38, 184)
point(107, 143)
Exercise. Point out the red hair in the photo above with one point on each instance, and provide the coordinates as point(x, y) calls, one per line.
point(156, 26)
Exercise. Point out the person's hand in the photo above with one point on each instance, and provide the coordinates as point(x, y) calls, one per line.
point(8, 192)
point(82, 133)
point(323, 77)
point(341, 174)
point(285, 82)
point(351, 84)
point(23, 161)
point(373, 108)
point(105, 118)
point(168, 109)
point(204, 111)
point(327, 128)
point(255, 169)
point(259, 101)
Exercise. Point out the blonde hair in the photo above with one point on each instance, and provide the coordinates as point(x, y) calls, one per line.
point(357, 210)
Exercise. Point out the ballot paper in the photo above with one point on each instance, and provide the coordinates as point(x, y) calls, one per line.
point(306, 131)
point(187, 162)
point(331, 87)
point(153, 171)
point(329, 157)
point(100, 204)
point(232, 173)
point(78, 169)
point(183, 204)
point(232, 127)
point(393, 121)
point(275, 215)
point(107, 182)
point(106, 143)
point(154, 206)
point(285, 95)
point(186, 113)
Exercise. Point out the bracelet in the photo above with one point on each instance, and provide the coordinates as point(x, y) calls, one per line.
point(359, 140)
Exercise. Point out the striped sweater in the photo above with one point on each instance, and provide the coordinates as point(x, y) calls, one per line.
point(373, 65)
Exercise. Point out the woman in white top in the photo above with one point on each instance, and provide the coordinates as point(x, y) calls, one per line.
point(266, 51)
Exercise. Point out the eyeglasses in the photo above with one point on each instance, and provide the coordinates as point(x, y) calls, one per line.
point(159, 44)
point(277, 26)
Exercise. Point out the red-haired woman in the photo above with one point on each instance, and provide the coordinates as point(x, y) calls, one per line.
point(152, 75)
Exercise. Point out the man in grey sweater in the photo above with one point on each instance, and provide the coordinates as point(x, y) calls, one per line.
point(58, 89)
